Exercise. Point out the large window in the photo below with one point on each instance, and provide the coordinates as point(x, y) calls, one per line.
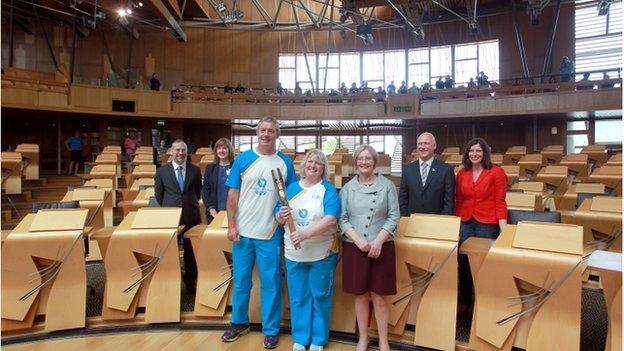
point(418, 69)
point(379, 68)
point(441, 63)
point(329, 67)
point(373, 68)
point(394, 68)
point(598, 39)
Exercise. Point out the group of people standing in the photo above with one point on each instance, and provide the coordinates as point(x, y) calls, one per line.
point(362, 220)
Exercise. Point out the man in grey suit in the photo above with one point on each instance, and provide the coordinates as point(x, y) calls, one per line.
point(178, 184)
point(427, 184)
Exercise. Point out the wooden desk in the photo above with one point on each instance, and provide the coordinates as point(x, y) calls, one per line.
point(615, 160)
point(30, 157)
point(569, 198)
point(597, 154)
point(577, 164)
point(524, 201)
point(426, 267)
point(497, 159)
point(448, 152)
point(556, 180)
point(11, 172)
point(610, 176)
point(110, 159)
point(609, 264)
point(48, 246)
point(512, 172)
point(530, 164)
point(514, 154)
point(145, 272)
point(141, 171)
point(601, 219)
point(553, 154)
point(107, 171)
point(542, 259)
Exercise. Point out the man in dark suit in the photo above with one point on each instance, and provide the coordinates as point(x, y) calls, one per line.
point(178, 184)
point(427, 184)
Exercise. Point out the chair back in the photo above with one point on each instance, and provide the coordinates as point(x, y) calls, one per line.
point(515, 216)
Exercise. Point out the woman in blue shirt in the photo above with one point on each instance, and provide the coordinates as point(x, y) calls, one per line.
point(314, 208)
point(214, 192)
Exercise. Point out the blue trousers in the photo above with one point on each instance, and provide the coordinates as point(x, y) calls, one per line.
point(311, 293)
point(266, 254)
point(467, 229)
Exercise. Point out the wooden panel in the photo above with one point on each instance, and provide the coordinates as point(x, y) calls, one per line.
point(563, 238)
point(541, 102)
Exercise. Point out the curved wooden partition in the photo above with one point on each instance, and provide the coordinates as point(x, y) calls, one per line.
point(533, 259)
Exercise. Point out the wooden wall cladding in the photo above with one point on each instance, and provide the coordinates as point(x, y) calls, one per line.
point(214, 57)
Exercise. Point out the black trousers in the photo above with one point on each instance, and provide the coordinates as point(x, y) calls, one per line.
point(466, 230)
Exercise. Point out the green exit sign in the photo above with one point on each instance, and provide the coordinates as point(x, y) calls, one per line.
point(160, 123)
point(407, 108)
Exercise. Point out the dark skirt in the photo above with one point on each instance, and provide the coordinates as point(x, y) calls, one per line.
point(362, 274)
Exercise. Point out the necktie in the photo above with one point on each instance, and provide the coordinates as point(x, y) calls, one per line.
point(180, 179)
point(424, 171)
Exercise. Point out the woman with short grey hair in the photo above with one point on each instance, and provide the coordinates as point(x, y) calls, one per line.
point(369, 216)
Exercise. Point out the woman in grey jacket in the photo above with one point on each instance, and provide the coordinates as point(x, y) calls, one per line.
point(369, 216)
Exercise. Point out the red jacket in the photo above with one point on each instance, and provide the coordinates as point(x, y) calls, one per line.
point(483, 200)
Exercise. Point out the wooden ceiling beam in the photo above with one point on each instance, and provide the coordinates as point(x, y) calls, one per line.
point(167, 16)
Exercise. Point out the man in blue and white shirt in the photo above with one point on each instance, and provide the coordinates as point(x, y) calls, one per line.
point(251, 227)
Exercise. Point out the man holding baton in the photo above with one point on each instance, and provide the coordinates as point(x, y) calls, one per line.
point(251, 225)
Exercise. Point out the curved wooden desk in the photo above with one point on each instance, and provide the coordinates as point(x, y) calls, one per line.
point(528, 289)
point(43, 271)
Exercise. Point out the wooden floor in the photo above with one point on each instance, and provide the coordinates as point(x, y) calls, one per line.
point(162, 340)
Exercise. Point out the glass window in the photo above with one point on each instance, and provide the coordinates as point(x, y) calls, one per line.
point(329, 66)
point(303, 75)
point(350, 68)
point(598, 40)
point(578, 125)
point(488, 59)
point(287, 74)
point(372, 68)
point(286, 142)
point(441, 63)
point(608, 131)
point(394, 68)
point(576, 142)
point(305, 142)
point(418, 55)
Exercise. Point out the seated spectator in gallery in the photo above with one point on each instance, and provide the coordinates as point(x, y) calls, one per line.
point(439, 84)
point(552, 82)
point(279, 90)
point(391, 88)
point(240, 88)
point(403, 88)
point(364, 87)
point(298, 90)
point(585, 83)
point(333, 92)
point(448, 82)
point(354, 89)
point(482, 80)
point(413, 89)
point(608, 84)
point(343, 89)
point(472, 84)
point(227, 89)
point(380, 94)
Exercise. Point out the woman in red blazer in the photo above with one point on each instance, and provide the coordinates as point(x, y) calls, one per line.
point(480, 190)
